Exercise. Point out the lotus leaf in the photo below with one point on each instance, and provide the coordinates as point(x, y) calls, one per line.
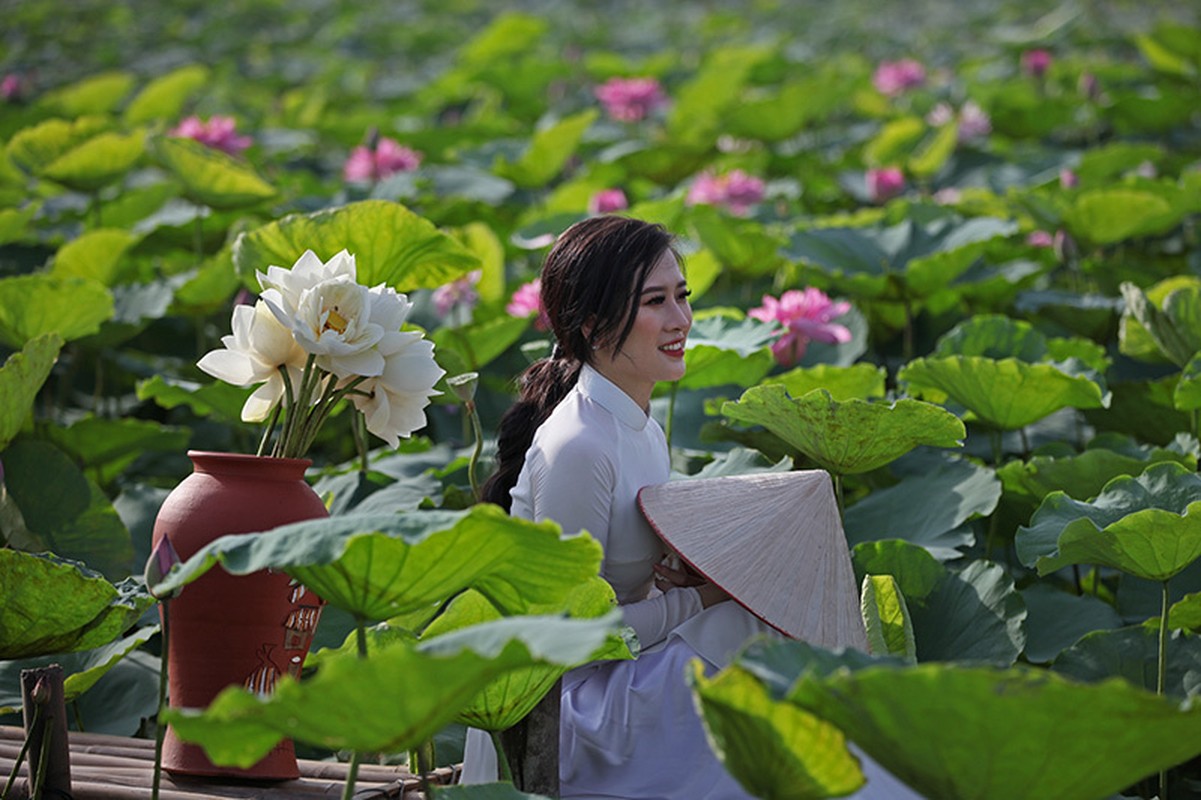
point(548, 152)
point(1056, 619)
point(775, 750)
point(97, 162)
point(96, 94)
point(862, 381)
point(955, 732)
point(52, 605)
point(1132, 654)
point(164, 97)
point(40, 304)
point(210, 176)
point(96, 254)
point(1174, 328)
point(972, 614)
point(35, 148)
point(394, 700)
point(1146, 526)
point(722, 350)
point(886, 617)
point(476, 345)
point(849, 437)
point(414, 254)
point(21, 378)
point(377, 566)
point(915, 570)
point(744, 246)
point(1008, 394)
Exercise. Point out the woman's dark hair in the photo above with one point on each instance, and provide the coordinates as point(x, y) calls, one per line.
point(590, 281)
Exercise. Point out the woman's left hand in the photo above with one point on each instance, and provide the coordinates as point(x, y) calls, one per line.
point(668, 578)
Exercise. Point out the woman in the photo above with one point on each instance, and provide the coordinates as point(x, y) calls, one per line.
point(576, 448)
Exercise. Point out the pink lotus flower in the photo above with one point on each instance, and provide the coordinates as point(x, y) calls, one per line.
point(1068, 179)
point(367, 165)
point(607, 201)
point(808, 316)
point(217, 133)
point(736, 191)
point(891, 78)
point(885, 183)
point(13, 87)
point(1039, 239)
point(527, 300)
point(631, 99)
point(1035, 63)
point(457, 294)
point(973, 120)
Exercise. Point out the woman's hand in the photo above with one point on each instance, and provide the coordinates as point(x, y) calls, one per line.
point(668, 578)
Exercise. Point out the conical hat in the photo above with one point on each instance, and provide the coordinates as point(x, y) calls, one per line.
point(773, 541)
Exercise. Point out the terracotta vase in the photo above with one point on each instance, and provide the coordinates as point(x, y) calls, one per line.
point(235, 630)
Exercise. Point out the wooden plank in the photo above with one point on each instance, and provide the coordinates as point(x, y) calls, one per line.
point(105, 767)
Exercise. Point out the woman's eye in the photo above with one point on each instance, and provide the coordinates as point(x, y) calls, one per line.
point(657, 300)
point(684, 295)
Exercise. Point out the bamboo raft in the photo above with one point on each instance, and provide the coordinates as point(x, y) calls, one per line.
point(107, 767)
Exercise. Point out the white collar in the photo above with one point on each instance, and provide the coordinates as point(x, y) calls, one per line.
point(611, 397)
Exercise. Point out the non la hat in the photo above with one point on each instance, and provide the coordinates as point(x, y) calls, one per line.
point(773, 541)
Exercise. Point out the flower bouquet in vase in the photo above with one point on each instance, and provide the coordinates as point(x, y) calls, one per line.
point(314, 339)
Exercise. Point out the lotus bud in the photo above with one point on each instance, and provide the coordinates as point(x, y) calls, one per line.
point(159, 565)
point(464, 385)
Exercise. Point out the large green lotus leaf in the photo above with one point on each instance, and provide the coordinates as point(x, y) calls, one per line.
point(993, 336)
point(21, 379)
point(105, 447)
point(775, 750)
point(391, 701)
point(957, 732)
point(1091, 315)
point(36, 147)
point(548, 151)
point(52, 605)
point(14, 222)
point(96, 94)
point(476, 345)
point(722, 350)
point(390, 244)
point(778, 112)
point(1143, 409)
point(1134, 339)
point(886, 618)
point(927, 508)
point(377, 566)
point(164, 97)
point(742, 245)
point(894, 142)
point(1081, 476)
point(81, 669)
point(863, 381)
point(1187, 396)
point(972, 614)
point(933, 152)
point(97, 162)
point(1170, 324)
point(929, 255)
point(39, 304)
point(211, 399)
point(849, 437)
point(1056, 619)
point(916, 571)
point(95, 254)
point(698, 104)
point(1111, 215)
point(508, 698)
point(1132, 653)
point(210, 176)
point(1148, 526)
point(1007, 393)
point(67, 510)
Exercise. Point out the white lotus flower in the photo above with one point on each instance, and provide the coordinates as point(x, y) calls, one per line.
point(393, 403)
point(254, 352)
point(307, 272)
point(334, 321)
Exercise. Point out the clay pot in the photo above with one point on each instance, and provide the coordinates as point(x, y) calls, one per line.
point(235, 630)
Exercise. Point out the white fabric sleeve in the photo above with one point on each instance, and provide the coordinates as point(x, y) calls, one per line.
point(574, 487)
point(652, 619)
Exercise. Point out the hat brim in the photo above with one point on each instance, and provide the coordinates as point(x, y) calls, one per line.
point(773, 541)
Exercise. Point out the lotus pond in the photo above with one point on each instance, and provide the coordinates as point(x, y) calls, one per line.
point(947, 252)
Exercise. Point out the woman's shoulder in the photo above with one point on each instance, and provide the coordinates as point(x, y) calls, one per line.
point(577, 426)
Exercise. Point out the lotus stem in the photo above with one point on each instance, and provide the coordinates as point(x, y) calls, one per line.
point(1161, 682)
point(352, 772)
point(358, 426)
point(39, 782)
point(838, 496)
point(160, 730)
point(502, 761)
point(478, 433)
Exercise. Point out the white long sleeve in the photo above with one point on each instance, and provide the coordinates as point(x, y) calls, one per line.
point(584, 470)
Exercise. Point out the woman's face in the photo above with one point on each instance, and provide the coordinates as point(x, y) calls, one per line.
point(654, 350)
